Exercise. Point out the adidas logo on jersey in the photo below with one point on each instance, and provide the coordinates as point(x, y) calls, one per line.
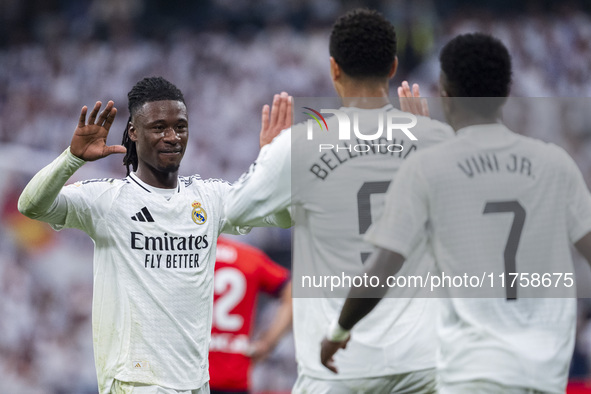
point(140, 364)
point(143, 216)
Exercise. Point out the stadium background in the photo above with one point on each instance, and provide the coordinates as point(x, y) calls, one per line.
point(228, 57)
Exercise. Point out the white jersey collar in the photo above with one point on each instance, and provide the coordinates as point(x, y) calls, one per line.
point(166, 193)
point(481, 129)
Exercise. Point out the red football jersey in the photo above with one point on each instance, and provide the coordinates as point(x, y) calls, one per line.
point(241, 271)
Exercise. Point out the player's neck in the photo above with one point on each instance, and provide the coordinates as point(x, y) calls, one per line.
point(364, 95)
point(162, 180)
point(370, 102)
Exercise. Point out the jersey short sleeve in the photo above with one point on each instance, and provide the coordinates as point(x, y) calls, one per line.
point(406, 211)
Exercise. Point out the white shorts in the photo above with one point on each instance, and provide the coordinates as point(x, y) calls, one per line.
point(420, 382)
point(119, 387)
point(483, 387)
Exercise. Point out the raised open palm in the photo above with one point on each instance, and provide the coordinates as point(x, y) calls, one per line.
point(276, 118)
point(89, 141)
point(411, 100)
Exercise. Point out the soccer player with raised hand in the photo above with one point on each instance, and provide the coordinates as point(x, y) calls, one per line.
point(333, 198)
point(155, 236)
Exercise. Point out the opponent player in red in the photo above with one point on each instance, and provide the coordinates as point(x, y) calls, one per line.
point(241, 272)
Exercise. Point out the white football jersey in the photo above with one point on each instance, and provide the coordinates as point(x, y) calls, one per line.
point(495, 203)
point(335, 194)
point(153, 275)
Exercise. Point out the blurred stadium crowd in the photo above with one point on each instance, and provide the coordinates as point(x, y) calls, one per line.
point(229, 58)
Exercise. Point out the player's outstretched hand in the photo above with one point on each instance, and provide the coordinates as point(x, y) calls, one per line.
point(327, 351)
point(276, 118)
point(411, 100)
point(89, 140)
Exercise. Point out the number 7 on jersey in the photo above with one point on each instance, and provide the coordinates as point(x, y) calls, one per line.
point(513, 241)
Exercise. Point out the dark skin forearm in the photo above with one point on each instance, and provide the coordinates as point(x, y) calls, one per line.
point(356, 309)
point(360, 301)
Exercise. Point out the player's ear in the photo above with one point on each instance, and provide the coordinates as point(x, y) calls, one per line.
point(132, 131)
point(393, 68)
point(335, 70)
point(443, 85)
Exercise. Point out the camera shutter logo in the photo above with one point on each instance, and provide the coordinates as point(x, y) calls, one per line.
point(388, 122)
point(318, 115)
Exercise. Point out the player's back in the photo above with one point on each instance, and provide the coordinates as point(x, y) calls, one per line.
point(241, 272)
point(338, 186)
point(337, 191)
point(504, 208)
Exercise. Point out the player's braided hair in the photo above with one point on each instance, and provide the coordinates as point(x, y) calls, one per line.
point(145, 91)
point(476, 65)
point(363, 43)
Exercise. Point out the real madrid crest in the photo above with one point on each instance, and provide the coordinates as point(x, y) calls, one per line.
point(199, 215)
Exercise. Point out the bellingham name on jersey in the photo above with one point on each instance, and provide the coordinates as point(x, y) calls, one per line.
point(339, 154)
